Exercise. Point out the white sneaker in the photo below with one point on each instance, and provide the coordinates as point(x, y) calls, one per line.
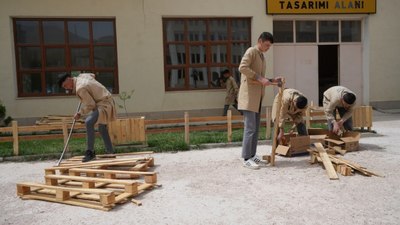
point(259, 161)
point(251, 164)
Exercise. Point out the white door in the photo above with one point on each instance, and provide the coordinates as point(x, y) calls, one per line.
point(350, 69)
point(299, 65)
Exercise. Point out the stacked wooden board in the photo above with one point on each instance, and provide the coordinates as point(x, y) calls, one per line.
point(99, 184)
point(58, 120)
point(334, 164)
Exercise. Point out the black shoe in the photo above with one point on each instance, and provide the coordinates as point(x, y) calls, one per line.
point(89, 155)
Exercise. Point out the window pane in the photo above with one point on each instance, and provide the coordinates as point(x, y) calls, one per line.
point(197, 30)
point(29, 58)
point(218, 54)
point(351, 31)
point(80, 57)
point(240, 29)
point(55, 57)
point(31, 83)
point(328, 31)
point(306, 31)
point(176, 55)
point(27, 32)
point(197, 54)
point(198, 77)
point(78, 32)
point(216, 77)
point(174, 30)
point(176, 78)
point(218, 30)
point(283, 31)
point(103, 32)
point(53, 32)
point(104, 56)
point(106, 79)
point(51, 83)
point(237, 51)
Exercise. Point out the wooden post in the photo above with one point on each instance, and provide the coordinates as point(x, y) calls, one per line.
point(276, 123)
point(187, 137)
point(14, 124)
point(308, 113)
point(229, 121)
point(268, 114)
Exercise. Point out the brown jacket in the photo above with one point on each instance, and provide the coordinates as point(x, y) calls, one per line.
point(231, 91)
point(288, 108)
point(251, 91)
point(94, 95)
point(332, 100)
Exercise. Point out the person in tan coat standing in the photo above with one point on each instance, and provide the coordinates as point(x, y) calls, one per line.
point(251, 92)
point(98, 104)
point(293, 106)
point(232, 90)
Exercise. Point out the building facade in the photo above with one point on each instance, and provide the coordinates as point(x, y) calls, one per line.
point(171, 52)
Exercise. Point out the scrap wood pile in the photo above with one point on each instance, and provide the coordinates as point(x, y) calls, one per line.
point(334, 164)
point(99, 184)
point(58, 120)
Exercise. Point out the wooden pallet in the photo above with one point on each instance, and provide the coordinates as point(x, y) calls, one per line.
point(98, 184)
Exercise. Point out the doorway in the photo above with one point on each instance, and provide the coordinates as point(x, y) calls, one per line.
point(328, 68)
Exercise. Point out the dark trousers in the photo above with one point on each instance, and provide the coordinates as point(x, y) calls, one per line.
point(226, 107)
point(90, 132)
point(301, 129)
point(348, 124)
point(250, 134)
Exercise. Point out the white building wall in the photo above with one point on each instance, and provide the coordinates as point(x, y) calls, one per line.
point(140, 50)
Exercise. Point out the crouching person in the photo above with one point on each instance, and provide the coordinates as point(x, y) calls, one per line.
point(97, 103)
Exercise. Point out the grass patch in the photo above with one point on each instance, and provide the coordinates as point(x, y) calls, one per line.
point(162, 142)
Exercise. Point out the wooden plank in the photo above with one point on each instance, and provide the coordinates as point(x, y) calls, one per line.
point(268, 123)
point(276, 123)
point(327, 162)
point(14, 124)
point(90, 179)
point(76, 202)
point(229, 124)
point(187, 135)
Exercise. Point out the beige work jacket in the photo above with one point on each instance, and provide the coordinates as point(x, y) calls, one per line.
point(251, 92)
point(333, 99)
point(288, 108)
point(232, 90)
point(94, 95)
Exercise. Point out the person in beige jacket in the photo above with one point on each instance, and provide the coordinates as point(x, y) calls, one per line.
point(293, 106)
point(343, 100)
point(251, 92)
point(232, 90)
point(98, 104)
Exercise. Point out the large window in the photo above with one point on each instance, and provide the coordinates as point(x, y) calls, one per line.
point(197, 50)
point(307, 31)
point(47, 48)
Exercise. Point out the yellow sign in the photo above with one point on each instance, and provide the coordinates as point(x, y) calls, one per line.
point(320, 7)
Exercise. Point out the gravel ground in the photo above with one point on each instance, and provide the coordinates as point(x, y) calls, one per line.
point(211, 187)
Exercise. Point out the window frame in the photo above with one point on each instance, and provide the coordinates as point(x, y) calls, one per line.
point(67, 46)
point(208, 43)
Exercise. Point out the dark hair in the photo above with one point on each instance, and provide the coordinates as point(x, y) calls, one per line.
point(349, 98)
point(301, 102)
point(62, 78)
point(266, 36)
point(225, 72)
